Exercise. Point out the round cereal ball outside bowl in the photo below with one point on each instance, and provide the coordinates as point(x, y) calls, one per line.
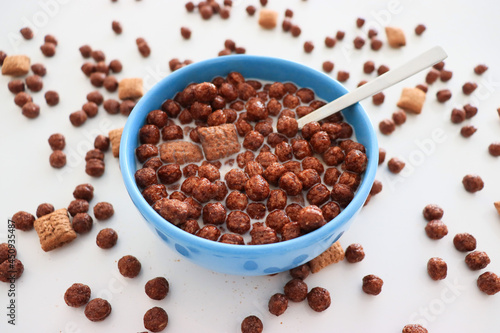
point(247, 259)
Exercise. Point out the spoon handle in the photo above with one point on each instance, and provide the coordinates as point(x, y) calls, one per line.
point(412, 67)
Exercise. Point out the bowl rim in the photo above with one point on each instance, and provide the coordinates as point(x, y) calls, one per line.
point(128, 166)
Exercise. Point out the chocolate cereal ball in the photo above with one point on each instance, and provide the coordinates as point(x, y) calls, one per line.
point(257, 188)
point(102, 143)
point(310, 218)
point(103, 211)
point(262, 234)
point(154, 193)
point(78, 206)
point(477, 260)
point(236, 179)
point(146, 151)
point(433, 212)
point(95, 167)
point(106, 238)
point(436, 229)
point(29, 109)
point(77, 295)
point(21, 99)
point(395, 165)
point(355, 161)
point(296, 290)
point(274, 172)
point(82, 223)
point(354, 253)
point(23, 220)
point(252, 324)
point(238, 222)
point(78, 118)
point(290, 183)
point(209, 171)
point(287, 126)
point(214, 213)
point(9, 270)
point(210, 232)
point(256, 210)
point(157, 288)
point(278, 303)
point(437, 268)
point(34, 83)
point(129, 266)
point(4, 252)
point(156, 319)
point(57, 159)
point(145, 177)
point(372, 285)
point(489, 283)
point(84, 191)
point(300, 272)
point(472, 183)
point(253, 140)
point(97, 309)
point(277, 200)
point(319, 299)
point(190, 226)
point(204, 190)
point(464, 242)
point(44, 209)
point(342, 194)
point(57, 141)
point(414, 328)
point(232, 239)
point(154, 163)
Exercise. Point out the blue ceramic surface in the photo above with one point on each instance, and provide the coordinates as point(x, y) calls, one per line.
point(247, 259)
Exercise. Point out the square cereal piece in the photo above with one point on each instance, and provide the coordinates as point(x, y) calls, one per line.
point(332, 255)
point(219, 141)
point(180, 152)
point(54, 229)
point(16, 65)
point(497, 206)
point(411, 100)
point(115, 137)
point(268, 18)
point(130, 88)
point(395, 37)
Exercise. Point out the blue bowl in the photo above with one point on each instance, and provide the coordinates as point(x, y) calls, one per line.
point(247, 259)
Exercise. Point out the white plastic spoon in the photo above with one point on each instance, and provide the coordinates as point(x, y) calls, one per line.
point(412, 67)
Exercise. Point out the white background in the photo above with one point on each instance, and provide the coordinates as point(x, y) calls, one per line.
point(390, 228)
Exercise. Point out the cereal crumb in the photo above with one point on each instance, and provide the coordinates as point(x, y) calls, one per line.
point(130, 88)
point(395, 37)
point(497, 206)
point(419, 29)
point(16, 65)
point(268, 18)
point(332, 255)
point(412, 100)
point(115, 137)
